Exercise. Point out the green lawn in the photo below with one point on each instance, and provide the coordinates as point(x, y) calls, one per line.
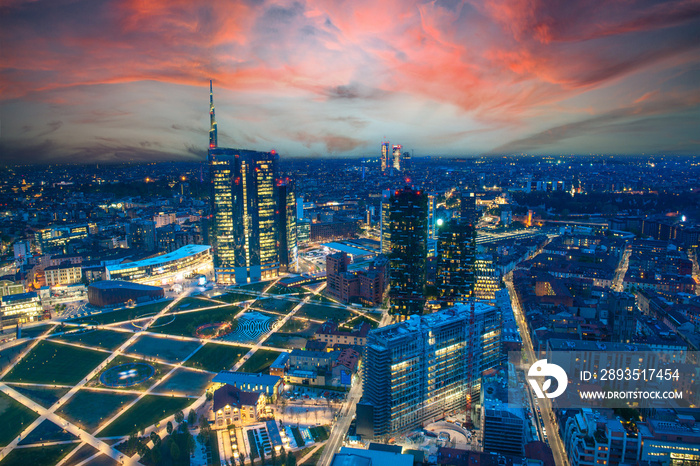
point(259, 361)
point(162, 348)
point(215, 357)
point(190, 303)
point(185, 382)
point(285, 340)
point(147, 411)
point(51, 454)
point(186, 324)
point(234, 297)
point(50, 362)
point(38, 330)
point(47, 431)
point(279, 289)
point(320, 312)
point(15, 418)
point(107, 339)
point(9, 355)
point(282, 306)
point(124, 314)
point(88, 408)
point(45, 396)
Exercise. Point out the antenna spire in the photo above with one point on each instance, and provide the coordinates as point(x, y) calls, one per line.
point(213, 140)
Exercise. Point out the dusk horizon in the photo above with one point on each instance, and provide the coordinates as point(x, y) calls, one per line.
point(103, 81)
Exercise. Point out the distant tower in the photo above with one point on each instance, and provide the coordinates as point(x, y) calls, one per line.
point(363, 169)
point(397, 157)
point(406, 163)
point(385, 156)
point(213, 141)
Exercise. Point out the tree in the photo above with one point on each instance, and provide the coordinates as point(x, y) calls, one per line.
point(155, 438)
point(155, 455)
point(179, 416)
point(192, 417)
point(291, 460)
point(209, 396)
point(169, 428)
point(283, 456)
point(174, 451)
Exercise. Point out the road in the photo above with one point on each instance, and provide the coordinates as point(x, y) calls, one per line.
point(621, 271)
point(555, 441)
point(335, 440)
point(340, 428)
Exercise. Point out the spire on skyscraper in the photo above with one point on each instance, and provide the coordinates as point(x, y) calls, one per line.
point(212, 130)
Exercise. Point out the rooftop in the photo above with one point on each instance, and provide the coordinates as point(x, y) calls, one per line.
point(182, 253)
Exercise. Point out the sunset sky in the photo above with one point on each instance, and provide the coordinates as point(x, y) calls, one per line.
point(92, 80)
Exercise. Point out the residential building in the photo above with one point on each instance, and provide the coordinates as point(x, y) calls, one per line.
point(417, 370)
point(64, 274)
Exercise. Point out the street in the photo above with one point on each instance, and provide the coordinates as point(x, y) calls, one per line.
point(555, 441)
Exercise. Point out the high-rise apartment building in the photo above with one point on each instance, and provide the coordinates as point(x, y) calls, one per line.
point(487, 278)
point(385, 223)
point(142, 235)
point(385, 157)
point(287, 221)
point(417, 370)
point(396, 156)
point(408, 236)
point(456, 252)
point(406, 162)
point(432, 224)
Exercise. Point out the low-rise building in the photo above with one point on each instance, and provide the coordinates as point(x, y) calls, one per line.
point(66, 273)
point(331, 334)
point(267, 385)
point(231, 405)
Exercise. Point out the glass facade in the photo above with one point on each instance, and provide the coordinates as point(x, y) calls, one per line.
point(245, 216)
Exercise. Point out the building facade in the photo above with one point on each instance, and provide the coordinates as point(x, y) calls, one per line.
point(287, 221)
point(417, 370)
point(166, 269)
point(407, 261)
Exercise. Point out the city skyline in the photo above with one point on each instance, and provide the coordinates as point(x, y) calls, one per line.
point(96, 81)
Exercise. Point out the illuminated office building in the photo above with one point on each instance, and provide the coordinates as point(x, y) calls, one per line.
point(244, 205)
point(432, 225)
point(408, 236)
point(287, 225)
point(456, 254)
point(188, 262)
point(487, 278)
point(397, 157)
point(385, 223)
point(417, 370)
point(385, 158)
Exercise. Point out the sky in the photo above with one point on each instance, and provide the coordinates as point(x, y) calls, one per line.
point(98, 81)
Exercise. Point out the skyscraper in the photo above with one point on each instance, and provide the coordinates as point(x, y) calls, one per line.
point(385, 223)
point(456, 249)
point(416, 370)
point(287, 222)
point(245, 219)
point(244, 205)
point(385, 156)
point(406, 163)
point(432, 224)
point(408, 236)
point(397, 157)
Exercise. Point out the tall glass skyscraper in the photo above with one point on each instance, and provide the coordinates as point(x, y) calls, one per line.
point(386, 153)
point(408, 236)
point(245, 219)
point(287, 222)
